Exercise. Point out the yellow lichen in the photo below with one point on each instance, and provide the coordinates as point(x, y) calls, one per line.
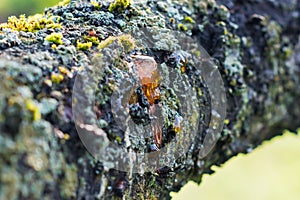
point(96, 4)
point(32, 106)
point(188, 19)
point(48, 82)
point(57, 78)
point(64, 70)
point(119, 5)
point(233, 82)
point(172, 20)
point(125, 40)
point(118, 139)
point(30, 24)
point(196, 52)
point(81, 68)
point(182, 27)
point(53, 46)
point(92, 39)
point(84, 46)
point(226, 121)
point(105, 43)
point(66, 136)
point(55, 38)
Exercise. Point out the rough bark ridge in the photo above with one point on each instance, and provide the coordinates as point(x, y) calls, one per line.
point(255, 44)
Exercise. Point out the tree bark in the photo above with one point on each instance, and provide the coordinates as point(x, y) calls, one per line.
point(255, 44)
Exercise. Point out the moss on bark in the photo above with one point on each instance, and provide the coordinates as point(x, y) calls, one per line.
point(255, 45)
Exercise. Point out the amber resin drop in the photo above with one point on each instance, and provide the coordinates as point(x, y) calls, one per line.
point(149, 77)
point(147, 72)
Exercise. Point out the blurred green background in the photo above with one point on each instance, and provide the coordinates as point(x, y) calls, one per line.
point(28, 7)
point(270, 172)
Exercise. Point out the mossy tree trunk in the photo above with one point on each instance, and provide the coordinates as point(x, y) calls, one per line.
point(255, 44)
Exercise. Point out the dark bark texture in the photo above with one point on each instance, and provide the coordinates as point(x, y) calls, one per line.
point(255, 44)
